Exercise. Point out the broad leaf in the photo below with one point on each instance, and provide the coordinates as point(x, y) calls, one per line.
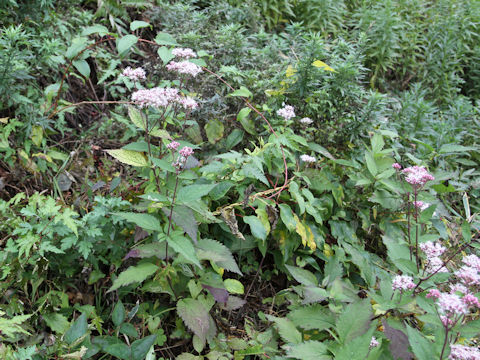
point(140, 347)
point(309, 350)
point(129, 157)
point(134, 274)
point(125, 43)
point(286, 329)
point(145, 221)
point(243, 92)
point(195, 316)
point(303, 276)
point(183, 217)
point(214, 130)
point(422, 348)
point(136, 117)
point(193, 192)
point(256, 227)
point(77, 330)
point(212, 250)
point(118, 314)
point(315, 317)
point(184, 247)
point(354, 321)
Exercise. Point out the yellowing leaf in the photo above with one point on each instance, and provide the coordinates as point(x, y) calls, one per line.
point(4, 120)
point(322, 65)
point(327, 250)
point(129, 157)
point(305, 232)
point(290, 71)
point(37, 135)
point(43, 156)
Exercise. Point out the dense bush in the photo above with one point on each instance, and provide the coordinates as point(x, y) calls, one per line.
point(303, 184)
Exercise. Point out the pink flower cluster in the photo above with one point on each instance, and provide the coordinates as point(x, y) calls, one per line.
point(156, 97)
point(462, 352)
point(396, 166)
point(184, 67)
point(186, 151)
point(421, 205)
point(432, 249)
point(417, 175)
point(307, 158)
point(373, 342)
point(469, 273)
point(184, 53)
point(188, 103)
point(134, 74)
point(403, 282)
point(286, 112)
point(173, 145)
point(451, 305)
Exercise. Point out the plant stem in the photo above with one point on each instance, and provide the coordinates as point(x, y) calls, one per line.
point(444, 342)
point(170, 216)
point(408, 225)
point(416, 229)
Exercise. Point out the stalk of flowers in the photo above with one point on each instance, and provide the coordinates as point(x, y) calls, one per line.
point(184, 53)
point(417, 176)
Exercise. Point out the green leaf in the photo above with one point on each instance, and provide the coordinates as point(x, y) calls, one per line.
point(82, 67)
point(136, 117)
point(242, 114)
point(212, 250)
point(165, 54)
point(235, 138)
point(118, 314)
point(315, 317)
point(184, 247)
point(165, 39)
point(125, 43)
point(357, 348)
point(134, 25)
point(214, 130)
point(287, 217)
point(140, 347)
point(145, 221)
point(57, 322)
point(321, 150)
point(77, 330)
point(190, 193)
point(254, 171)
point(422, 348)
point(286, 329)
point(371, 166)
point(234, 286)
point(377, 143)
point(195, 316)
point(303, 276)
point(454, 148)
point(183, 217)
point(309, 350)
point(129, 157)
point(119, 350)
point(246, 122)
point(354, 321)
point(134, 274)
point(243, 91)
point(95, 29)
point(256, 227)
point(78, 45)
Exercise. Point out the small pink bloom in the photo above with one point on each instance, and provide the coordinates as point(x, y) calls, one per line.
point(458, 288)
point(432, 249)
point(373, 342)
point(185, 67)
point(184, 53)
point(472, 261)
point(417, 175)
point(462, 352)
point(173, 145)
point(446, 321)
point(403, 282)
point(397, 166)
point(155, 97)
point(134, 74)
point(471, 300)
point(186, 151)
point(434, 294)
point(451, 304)
point(188, 103)
point(468, 275)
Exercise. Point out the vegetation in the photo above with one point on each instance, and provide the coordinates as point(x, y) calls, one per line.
point(260, 179)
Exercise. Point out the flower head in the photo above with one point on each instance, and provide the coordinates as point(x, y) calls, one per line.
point(373, 342)
point(451, 304)
point(184, 53)
point(458, 288)
point(421, 205)
point(286, 112)
point(403, 282)
point(306, 121)
point(396, 166)
point(433, 293)
point(156, 97)
point(307, 158)
point(188, 103)
point(417, 175)
point(472, 261)
point(173, 145)
point(184, 67)
point(471, 300)
point(468, 275)
point(186, 151)
point(432, 249)
point(435, 265)
point(134, 74)
point(462, 352)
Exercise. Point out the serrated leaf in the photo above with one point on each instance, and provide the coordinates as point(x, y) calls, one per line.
point(243, 92)
point(357, 348)
point(118, 314)
point(191, 193)
point(371, 165)
point(354, 321)
point(422, 348)
point(165, 39)
point(136, 117)
point(303, 276)
point(214, 130)
point(252, 171)
point(140, 347)
point(286, 329)
point(398, 342)
point(77, 330)
point(134, 274)
point(137, 24)
point(212, 250)
point(145, 221)
point(315, 317)
point(57, 322)
point(129, 157)
point(195, 316)
point(309, 350)
point(125, 43)
point(184, 247)
point(256, 227)
point(183, 217)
